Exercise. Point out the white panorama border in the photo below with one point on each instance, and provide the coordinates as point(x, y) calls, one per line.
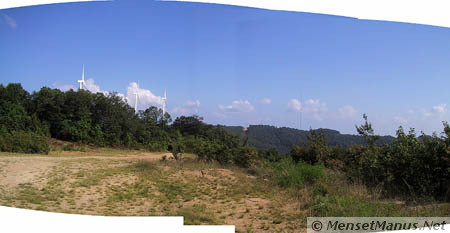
point(428, 12)
point(5, 4)
point(23, 220)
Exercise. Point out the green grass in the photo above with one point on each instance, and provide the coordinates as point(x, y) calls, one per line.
point(290, 175)
point(130, 192)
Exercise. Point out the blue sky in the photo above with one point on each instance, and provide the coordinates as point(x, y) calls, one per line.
point(236, 65)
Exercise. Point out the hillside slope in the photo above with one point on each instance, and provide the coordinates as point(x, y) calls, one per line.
point(282, 139)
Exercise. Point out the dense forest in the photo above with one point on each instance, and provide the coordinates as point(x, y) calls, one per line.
point(407, 165)
point(265, 137)
point(27, 121)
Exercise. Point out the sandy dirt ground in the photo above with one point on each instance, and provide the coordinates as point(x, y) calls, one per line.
point(17, 170)
point(141, 184)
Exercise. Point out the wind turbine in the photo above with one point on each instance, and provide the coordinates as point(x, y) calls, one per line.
point(135, 102)
point(82, 82)
point(164, 99)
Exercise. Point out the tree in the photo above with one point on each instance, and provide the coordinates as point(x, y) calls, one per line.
point(14, 93)
point(48, 106)
point(315, 149)
point(367, 132)
point(176, 147)
point(151, 116)
point(192, 125)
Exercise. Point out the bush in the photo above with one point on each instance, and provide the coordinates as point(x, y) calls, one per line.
point(24, 142)
point(288, 174)
point(315, 150)
point(411, 166)
point(190, 143)
point(157, 146)
point(270, 155)
point(246, 157)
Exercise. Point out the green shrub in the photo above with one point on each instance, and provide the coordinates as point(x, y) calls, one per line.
point(246, 157)
point(213, 150)
point(68, 148)
point(411, 167)
point(315, 150)
point(190, 143)
point(270, 155)
point(24, 142)
point(288, 174)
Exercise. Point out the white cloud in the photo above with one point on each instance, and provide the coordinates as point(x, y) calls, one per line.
point(401, 120)
point(181, 111)
point(145, 97)
point(220, 115)
point(122, 96)
point(424, 119)
point(310, 106)
point(193, 103)
point(9, 21)
point(427, 113)
point(347, 111)
point(436, 111)
point(191, 107)
point(266, 101)
point(440, 109)
point(238, 106)
point(92, 87)
point(294, 105)
point(63, 87)
point(314, 107)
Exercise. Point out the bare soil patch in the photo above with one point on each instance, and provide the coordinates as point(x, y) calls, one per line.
point(22, 170)
point(101, 183)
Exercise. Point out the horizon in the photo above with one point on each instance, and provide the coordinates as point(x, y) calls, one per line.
point(236, 66)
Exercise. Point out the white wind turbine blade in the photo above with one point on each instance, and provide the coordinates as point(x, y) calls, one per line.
point(84, 84)
point(82, 76)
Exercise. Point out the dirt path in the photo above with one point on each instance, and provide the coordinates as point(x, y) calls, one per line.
point(95, 155)
point(22, 169)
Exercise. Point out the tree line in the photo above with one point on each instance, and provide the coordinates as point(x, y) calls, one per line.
point(283, 138)
point(27, 121)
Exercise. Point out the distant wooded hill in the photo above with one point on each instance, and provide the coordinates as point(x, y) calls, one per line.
point(282, 139)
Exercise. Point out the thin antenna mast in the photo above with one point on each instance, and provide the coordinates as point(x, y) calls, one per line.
point(301, 110)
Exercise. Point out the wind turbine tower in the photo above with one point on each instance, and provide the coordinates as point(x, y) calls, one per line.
point(164, 99)
point(135, 102)
point(82, 82)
